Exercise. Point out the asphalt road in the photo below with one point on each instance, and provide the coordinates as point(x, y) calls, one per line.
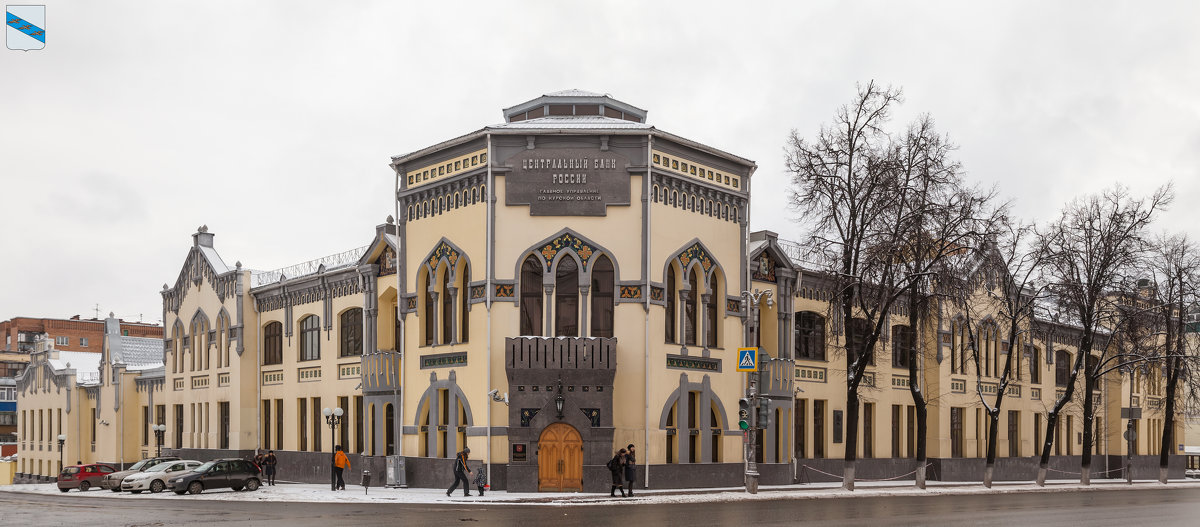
point(1101, 507)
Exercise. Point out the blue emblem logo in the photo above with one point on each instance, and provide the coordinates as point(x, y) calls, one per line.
point(25, 27)
point(747, 359)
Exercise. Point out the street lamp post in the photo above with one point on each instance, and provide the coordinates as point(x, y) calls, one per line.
point(753, 298)
point(62, 438)
point(334, 418)
point(159, 430)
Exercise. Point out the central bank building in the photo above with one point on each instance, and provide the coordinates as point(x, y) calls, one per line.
point(547, 291)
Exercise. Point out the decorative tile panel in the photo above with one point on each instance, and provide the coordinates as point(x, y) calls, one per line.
point(567, 241)
point(504, 290)
point(527, 415)
point(693, 363)
point(444, 360)
point(593, 415)
point(631, 291)
point(696, 252)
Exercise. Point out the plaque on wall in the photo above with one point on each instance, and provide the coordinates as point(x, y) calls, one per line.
point(567, 181)
point(837, 426)
point(519, 452)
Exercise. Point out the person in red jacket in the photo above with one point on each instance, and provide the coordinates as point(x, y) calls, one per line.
point(340, 464)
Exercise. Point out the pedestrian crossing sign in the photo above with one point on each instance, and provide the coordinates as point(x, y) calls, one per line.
point(747, 359)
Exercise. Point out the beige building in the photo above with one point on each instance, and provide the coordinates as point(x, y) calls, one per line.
point(553, 288)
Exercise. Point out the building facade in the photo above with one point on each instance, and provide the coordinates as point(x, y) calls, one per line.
point(554, 287)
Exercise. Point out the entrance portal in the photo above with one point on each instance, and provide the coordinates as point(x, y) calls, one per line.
point(560, 459)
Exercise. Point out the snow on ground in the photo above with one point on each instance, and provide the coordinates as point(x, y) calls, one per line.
point(320, 493)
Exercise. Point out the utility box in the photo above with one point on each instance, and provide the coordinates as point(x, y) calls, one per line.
point(396, 472)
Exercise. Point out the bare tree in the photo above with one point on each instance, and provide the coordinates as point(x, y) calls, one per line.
point(1008, 273)
point(841, 184)
point(884, 213)
point(944, 218)
point(1174, 265)
point(1088, 250)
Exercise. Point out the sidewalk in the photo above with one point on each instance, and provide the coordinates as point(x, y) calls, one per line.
point(320, 493)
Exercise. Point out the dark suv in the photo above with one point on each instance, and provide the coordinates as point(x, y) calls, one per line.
point(236, 474)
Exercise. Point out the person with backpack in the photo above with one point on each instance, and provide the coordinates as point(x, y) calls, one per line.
point(481, 479)
point(461, 471)
point(616, 465)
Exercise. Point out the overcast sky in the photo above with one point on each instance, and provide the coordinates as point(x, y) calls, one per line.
point(273, 122)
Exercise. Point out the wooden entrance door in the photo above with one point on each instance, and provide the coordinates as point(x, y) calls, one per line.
point(560, 459)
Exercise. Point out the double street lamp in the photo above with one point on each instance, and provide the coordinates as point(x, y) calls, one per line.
point(334, 418)
point(159, 430)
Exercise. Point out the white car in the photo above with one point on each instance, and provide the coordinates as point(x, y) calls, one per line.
point(154, 479)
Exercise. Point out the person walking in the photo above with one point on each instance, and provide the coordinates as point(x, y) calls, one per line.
point(340, 464)
point(616, 465)
point(461, 471)
point(630, 468)
point(268, 464)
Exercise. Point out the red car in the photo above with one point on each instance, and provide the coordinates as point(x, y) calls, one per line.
point(83, 477)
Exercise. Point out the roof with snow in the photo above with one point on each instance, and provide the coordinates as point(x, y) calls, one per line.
point(136, 353)
point(85, 363)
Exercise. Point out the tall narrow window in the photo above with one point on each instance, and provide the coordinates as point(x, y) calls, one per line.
point(429, 329)
point(602, 298)
point(670, 309)
point(531, 296)
point(956, 432)
point(310, 338)
point(1062, 367)
point(464, 293)
point(690, 308)
point(954, 347)
point(350, 329)
point(566, 298)
point(714, 307)
point(810, 336)
point(273, 343)
point(857, 344)
point(447, 308)
point(902, 345)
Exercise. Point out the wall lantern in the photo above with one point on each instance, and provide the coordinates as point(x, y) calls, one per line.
point(559, 401)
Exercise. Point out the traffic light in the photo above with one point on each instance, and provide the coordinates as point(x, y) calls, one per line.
point(744, 413)
point(764, 413)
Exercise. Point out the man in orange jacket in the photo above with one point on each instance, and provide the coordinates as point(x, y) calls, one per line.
point(340, 464)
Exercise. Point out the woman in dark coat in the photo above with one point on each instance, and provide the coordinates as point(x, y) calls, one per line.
point(617, 466)
point(630, 467)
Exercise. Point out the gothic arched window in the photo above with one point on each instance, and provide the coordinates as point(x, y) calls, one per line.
point(602, 298)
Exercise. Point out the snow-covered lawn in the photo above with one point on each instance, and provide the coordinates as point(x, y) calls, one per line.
point(320, 493)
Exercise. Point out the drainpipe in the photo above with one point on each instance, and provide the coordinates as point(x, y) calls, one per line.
point(646, 297)
point(258, 373)
point(488, 297)
point(397, 390)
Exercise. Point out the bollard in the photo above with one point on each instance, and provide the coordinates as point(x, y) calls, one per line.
point(366, 481)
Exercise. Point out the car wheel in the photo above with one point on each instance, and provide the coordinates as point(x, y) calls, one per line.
point(252, 484)
point(64, 490)
point(195, 488)
point(181, 492)
point(236, 488)
point(84, 486)
point(116, 489)
point(136, 491)
point(156, 486)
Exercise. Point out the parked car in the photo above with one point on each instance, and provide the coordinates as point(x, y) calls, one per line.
point(113, 481)
point(82, 477)
point(236, 474)
point(154, 479)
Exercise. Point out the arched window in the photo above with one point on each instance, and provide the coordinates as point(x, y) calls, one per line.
point(902, 345)
point(725, 212)
point(177, 337)
point(674, 197)
point(426, 279)
point(810, 336)
point(224, 338)
point(670, 308)
point(566, 298)
point(273, 343)
point(531, 296)
point(199, 335)
point(447, 308)
point(692, 203)
point(690, 309)
point(474, 196)
point(310, 338)
point(410, 213)
point(464, 292)
point(654, 195)
point(1062, 367)
point(602, 297)
point(350, 330)
point(713, 309)
point(857, 340)
point(1035, 366)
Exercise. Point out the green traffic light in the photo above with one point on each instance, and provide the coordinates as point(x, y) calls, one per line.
point(743, 425)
